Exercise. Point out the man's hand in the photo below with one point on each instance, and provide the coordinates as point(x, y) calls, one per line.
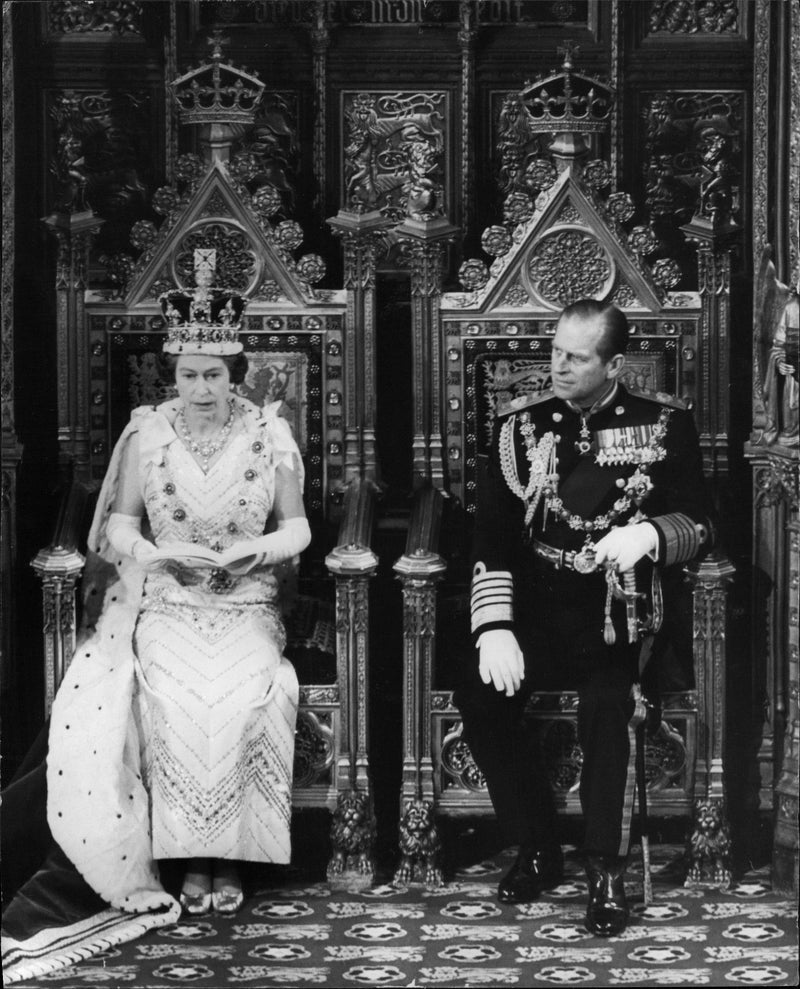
point(626, 545)
point(501, 660)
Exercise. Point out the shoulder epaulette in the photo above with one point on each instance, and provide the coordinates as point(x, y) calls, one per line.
point(661, 397)
point(524, 402)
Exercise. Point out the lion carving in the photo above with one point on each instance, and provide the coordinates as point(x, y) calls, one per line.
point(710, 846)
point(419, 845)
point(353, 831)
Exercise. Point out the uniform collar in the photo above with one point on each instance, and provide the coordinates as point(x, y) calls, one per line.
point(603, 402)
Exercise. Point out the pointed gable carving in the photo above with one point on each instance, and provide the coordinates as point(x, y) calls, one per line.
point(254, 257)
point(572, 247)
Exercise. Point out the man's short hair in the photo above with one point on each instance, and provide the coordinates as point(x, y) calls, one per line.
point(616, 331)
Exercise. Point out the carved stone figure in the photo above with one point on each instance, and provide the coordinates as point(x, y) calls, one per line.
point(352, 835)
point(419, 845)
point(710, 847)
point(778, 322)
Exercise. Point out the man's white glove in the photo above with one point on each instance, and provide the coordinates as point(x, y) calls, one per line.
point(626, 545)
point(291, 537)
point(501, 660)
point(124, 533)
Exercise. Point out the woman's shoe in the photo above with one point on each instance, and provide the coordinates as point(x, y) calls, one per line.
point(226, 895)
point(196, 904)
point(227, 900)
point(195, 896)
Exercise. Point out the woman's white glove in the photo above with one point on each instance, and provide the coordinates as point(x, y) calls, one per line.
point(124, 533)
point(626, 545)
point(501, 660)
point(290, 538)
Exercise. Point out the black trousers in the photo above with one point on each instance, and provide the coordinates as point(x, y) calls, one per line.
point(564, 649)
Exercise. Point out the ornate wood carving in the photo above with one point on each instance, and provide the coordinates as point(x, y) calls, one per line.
point(693, 154)
point(410, 14)
point(320, 42)
point(394, 153)
point(761, 128)
point(423, 246)
point(467, 38)
point(75, 233)
point(314, 749)
point(695, 17)
point(121, 17)
point(786, 852)
point(100, 158)
point(11, 448)
point(352, 563)
point(362, 235)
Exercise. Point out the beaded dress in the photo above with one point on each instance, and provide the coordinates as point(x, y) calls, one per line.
point(172, 734)
point(218, 702)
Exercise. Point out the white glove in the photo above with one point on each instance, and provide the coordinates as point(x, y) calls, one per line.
point(291, 537)
point(501, 661)
point(124, 533)
point(626, 545)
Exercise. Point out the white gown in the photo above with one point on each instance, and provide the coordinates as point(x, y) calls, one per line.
point(172, 733)
point(218, 702)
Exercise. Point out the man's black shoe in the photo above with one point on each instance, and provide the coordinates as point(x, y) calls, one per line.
point(532, 872)
point(607, 913)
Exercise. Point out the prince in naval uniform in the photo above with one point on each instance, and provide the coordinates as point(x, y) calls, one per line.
point(590, 494)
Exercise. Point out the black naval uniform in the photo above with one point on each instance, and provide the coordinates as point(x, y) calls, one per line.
point(526, 578)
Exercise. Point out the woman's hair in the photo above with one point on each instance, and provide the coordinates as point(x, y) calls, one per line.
point(237, 365)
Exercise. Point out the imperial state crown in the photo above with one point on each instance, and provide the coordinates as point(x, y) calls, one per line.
point(205, 320)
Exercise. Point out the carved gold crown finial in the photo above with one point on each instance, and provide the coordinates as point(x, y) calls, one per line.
point(568, 104)
point(205, 320)
point(217, 92)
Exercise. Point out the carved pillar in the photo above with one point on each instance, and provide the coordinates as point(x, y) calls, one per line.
point(713, 238)
point(423, 242)
point(11, 448)
point(786, 850)
point(75, 233)
point(710, 596)
point(419, 569)
point(361, 235)
point(466, 38)
point(352, 563)
point(59, 570)
point(775, 508)
point(170, 73)
point(320, 42)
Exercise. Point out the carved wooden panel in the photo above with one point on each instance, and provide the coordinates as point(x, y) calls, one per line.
point(402, 13)
point(669, 770)
point(395, 152)
point(100, 155)
point(99, 18)
point(692, 149)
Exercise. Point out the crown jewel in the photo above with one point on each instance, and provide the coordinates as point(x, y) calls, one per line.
point(205, 320)
point(217, 92)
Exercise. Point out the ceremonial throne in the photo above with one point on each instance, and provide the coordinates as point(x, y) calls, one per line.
point(565, 234)
point(303, 347)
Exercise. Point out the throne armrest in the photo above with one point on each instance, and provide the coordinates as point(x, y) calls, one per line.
point(59, 566)
point(353, 555)
point(421, 559)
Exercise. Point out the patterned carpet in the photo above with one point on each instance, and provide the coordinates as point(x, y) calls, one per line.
point(295, 932)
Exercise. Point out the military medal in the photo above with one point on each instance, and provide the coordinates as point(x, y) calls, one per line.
point(584, 444)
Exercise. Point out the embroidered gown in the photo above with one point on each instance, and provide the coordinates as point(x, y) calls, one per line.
point(218, 702)
point(172, 733)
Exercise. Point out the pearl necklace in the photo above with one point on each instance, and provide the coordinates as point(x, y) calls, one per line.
point(208, 449)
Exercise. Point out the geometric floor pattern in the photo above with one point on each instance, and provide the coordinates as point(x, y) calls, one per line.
point(292, 932)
